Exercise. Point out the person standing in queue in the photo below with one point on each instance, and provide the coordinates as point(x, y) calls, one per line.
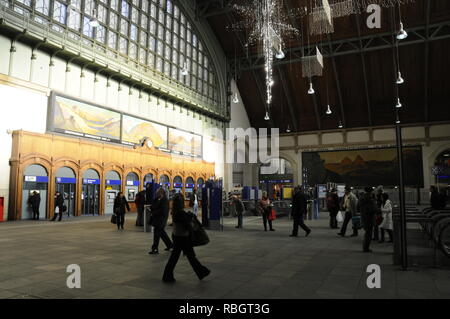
point(333, 207)
point(120, 204)
point(59, 203)
point(265, 208)
point(369, 209)
point(193, 201)
point(182, 241)
point(349, 205)
point(140, 202)
point(35, 202)
point(299, 210)
point(239, 208)
point(160, 214)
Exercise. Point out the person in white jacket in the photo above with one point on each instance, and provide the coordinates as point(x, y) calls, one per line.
point(386, 224)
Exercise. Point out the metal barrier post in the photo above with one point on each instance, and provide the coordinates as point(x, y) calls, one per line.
point(403, 244)
point(147, 227)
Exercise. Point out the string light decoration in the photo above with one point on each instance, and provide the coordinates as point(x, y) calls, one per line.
point(267, 24)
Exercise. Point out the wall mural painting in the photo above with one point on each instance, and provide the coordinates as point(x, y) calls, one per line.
point(364, 167)
point(81, 119)
point(185, 143)
point(134, 129)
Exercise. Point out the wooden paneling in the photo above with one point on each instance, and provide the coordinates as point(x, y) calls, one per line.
point(54, 151)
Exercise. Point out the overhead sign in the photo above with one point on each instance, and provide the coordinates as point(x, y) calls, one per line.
point(91, 181)
point(113, 182)
point(36, 179)
point(178, 185)
point(132, 183)
point(66, 180)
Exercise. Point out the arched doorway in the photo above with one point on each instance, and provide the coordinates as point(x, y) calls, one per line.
point(90, 196)
point(276, 177)
point(66, 182)
point(189, 187)
point(113, 185)
point(131, 186)
point(35, 183)
point(178, 184)
point(148, 179)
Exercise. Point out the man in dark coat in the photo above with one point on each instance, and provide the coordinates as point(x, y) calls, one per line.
point(35, 202)
point(59, 203)
point(369, 209)
point(239, 207)
point(333, 207)
point(140, 202)
point(160, 214)
point(120, 207)
point(299, 210)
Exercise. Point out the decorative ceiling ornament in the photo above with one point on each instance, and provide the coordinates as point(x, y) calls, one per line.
point(266, 23)
point(320, 19)
point(312, 65)
point(361, 5)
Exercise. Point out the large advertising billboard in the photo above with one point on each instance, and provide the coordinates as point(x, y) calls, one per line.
point(135, 129)
point(185, 143)
point(85, 120)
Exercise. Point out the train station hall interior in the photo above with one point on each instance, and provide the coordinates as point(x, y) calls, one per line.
point(301, 148)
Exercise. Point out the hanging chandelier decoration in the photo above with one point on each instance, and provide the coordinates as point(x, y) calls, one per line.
point(312, 65)
point(266, 24)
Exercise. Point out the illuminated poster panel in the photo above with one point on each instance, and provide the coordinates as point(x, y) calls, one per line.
point(185, 143)
point(134, 130)
point(84, 120)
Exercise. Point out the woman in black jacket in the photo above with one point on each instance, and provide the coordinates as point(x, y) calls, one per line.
point(120, 203)
point(182, 241)
point(59, 203)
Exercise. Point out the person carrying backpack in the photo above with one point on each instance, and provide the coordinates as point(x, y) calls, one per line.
point(333, 207)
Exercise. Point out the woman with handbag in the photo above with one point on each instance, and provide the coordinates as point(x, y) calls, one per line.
point(182, 241)
point(265, 209)
point(386, 224)
point(120, 203)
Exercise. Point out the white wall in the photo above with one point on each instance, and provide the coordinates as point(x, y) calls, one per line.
point(20, 109)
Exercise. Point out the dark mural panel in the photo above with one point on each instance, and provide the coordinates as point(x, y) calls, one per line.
point(364, 167)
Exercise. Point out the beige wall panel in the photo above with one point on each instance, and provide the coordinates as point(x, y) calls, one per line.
point(358, 137)
point(309, 139)
point(41, 68)
point(5, 44)
point(21, 61)
point(384, 134)
point(440, 130)
point(332, 138)
point(413, 132)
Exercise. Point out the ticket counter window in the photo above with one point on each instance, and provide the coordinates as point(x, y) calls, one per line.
point(148, 179)
point(113, 185)
point(164, 182)
point(35, 179)
point(189, 187)
point(131, 187)
point(66, 184)
point(90, 197)
point(178, 184)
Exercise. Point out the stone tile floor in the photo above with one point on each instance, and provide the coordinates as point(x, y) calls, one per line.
point(248, 263)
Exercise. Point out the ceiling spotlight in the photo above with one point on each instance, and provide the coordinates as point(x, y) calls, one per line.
point(340, 125)
point(266, 118)
point(184, 70)
point(399, 105)
point(329, 110)
point(235, 99)
point(280, 54)
point(398, 121)
point(94, 21)
point(311, 89)
point(288, 129)
point(402, 34)
point(400, 79)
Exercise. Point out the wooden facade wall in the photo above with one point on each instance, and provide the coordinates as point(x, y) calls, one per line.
point(55, 151)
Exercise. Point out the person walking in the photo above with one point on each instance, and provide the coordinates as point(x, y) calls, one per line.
point(140, 202)
point(369, 209)
point(299, 210)
point(333, 207)
point(350, 204)
point(379, 200)
point(35, 202)
point(160, 214)
point(193, 201)
point(265, 209)
point(239, 208)
point(120, 207)
point(59, 203)
point(387, 223)
point(182, 242)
